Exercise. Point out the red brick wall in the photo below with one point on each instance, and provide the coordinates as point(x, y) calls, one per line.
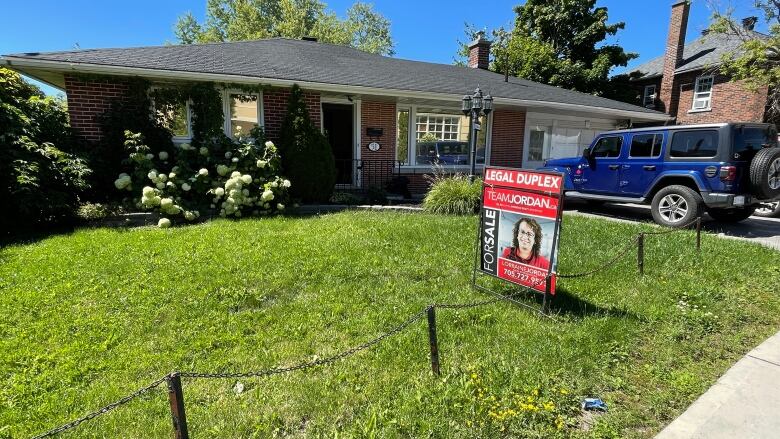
point(479, 55)
point(675, 42)
point(731, 101)
point(275, 107)
point(378, 114)
point(506, 142)
point(88, 100)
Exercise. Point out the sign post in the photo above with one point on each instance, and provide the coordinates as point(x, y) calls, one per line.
point(519, 227)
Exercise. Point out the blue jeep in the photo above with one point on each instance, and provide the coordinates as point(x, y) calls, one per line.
point(729, 169)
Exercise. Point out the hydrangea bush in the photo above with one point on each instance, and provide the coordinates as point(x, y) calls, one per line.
point(221, 176)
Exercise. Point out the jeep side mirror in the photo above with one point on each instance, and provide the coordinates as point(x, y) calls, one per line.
point(586, 153)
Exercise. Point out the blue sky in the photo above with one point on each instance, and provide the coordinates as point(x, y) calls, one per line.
point(423, 30)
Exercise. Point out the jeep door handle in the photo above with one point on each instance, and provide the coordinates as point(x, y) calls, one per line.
point(613, 167)
point(649, 167)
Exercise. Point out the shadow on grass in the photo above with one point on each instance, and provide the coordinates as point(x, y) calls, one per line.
point(566, 303)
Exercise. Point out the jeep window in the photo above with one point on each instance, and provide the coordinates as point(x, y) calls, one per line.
point(646, 145)
point(748, 141)
point(608, 147)
point(694, 144)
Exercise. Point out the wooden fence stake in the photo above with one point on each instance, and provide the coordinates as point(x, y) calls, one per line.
point(698, 234)
point(433, 340)
point(640, 253)
point(176, 398)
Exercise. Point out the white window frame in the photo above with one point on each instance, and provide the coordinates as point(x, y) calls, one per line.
point(702, 96)
point(188, 106)
point(412, 164)
point(649, 98)
point(226, 108)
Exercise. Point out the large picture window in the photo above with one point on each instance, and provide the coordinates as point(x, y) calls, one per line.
point(442, 138)
point(243, 114)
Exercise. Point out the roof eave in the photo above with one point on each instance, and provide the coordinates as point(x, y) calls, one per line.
point(62, 66)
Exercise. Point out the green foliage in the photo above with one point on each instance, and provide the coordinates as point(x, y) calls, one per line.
point(96, 211)
point(453, 195)
point(90, 316)
point(232, 178)
point(560, 43)
point(757, 60)
point(345, 198)
point(239, 20)
point(39, 181)
point(307, 158)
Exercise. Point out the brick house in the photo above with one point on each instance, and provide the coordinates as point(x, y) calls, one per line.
point(685, 83)
point(359, 100)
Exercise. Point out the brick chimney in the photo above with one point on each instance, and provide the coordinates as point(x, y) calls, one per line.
point(479, 52)
point(675, 43)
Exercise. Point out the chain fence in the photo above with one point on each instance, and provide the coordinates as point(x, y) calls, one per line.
point(177, 403)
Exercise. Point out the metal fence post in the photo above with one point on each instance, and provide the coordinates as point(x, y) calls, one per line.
point(433, 340)
point(640, 253)
point(698, 234)
point(176, 398)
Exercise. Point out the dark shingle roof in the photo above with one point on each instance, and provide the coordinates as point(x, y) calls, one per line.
point(704, 52)
point(297, 60)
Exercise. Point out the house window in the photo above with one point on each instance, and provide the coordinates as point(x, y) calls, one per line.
point(442, 137)
point(402, 142)
point(648, 99)
point(702, 93)
point(244, 113)
point(536, 145)
point(176, 117)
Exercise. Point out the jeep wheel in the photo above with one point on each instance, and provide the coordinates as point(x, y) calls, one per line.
point(768, 210)
point(676, 206)
point(765, 173)
point(731, 215)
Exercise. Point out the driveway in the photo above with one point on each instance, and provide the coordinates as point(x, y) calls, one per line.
point(765, 231)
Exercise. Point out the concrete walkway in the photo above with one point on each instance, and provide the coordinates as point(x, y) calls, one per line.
point(744, 403)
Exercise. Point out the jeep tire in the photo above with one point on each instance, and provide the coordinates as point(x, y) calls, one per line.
point(731, 215)
point(676, 206)
point(765, 173)
point(769, 210)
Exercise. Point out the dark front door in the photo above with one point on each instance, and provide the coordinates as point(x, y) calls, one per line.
point(337, 122)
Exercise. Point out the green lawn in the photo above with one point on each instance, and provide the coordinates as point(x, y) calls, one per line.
point(90, 316)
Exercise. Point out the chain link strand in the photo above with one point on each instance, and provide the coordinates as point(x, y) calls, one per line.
point(106, 409)
point(310, 364)
point(615, 259)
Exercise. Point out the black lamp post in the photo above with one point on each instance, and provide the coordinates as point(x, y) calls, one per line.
point(474, 107)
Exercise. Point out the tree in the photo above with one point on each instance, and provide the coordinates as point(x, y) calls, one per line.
point(307, 158)
point(757, 60)
point(39, 182)
point(559, 42)
point(239, 20)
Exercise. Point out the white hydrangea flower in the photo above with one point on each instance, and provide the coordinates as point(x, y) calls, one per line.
point(152, 174)
point(184, 146)
point(164, 223)
point(245, 192)
point(274, 184)
point(246, 178)
point(203, 150)
point(185, 187)
point(235, 174)
point(235, 160)
point(222, 170)
point(170, 184)
point(286, 183)
point(163, 155)
point(189, 216)
point(147, 191)
point(280, 206)
point(269, 144)
point(228, 155)
point(172, 175)
point(267, 195)
point(149, 156)
point(166, 202)
point(123, 181)
point(261, 163)
point(161, 185)
point(203, 172)
point(162, 177)
point(219, 192)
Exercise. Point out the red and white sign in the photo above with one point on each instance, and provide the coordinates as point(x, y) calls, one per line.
point(520, 222)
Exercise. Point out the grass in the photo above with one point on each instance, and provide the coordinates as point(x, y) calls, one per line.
point(91, 316)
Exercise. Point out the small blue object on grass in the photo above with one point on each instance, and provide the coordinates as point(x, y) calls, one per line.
point(594, 404)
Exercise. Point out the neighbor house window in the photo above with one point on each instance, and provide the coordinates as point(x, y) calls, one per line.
point(176, 117)
point(702, 93)
point(648, 99)
point(442, 137)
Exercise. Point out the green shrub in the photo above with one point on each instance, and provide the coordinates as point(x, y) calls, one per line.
point(345, 198)
point(307, 158)
point(233, 178)
point(453, 195)
point(376, 195)
point(39, 181)
point(96, 211)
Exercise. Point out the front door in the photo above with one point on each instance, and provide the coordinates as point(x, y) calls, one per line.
point(337, 123)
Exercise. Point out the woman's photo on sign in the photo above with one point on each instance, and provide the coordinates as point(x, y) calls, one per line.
point(525, 239)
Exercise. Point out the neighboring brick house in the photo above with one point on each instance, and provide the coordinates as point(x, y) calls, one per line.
point(359, 99)
point(685, 83)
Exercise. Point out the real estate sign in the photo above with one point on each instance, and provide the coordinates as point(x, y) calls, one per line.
point(521, 217)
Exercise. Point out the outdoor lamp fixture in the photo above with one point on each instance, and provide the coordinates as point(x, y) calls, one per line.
point(475, 106)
